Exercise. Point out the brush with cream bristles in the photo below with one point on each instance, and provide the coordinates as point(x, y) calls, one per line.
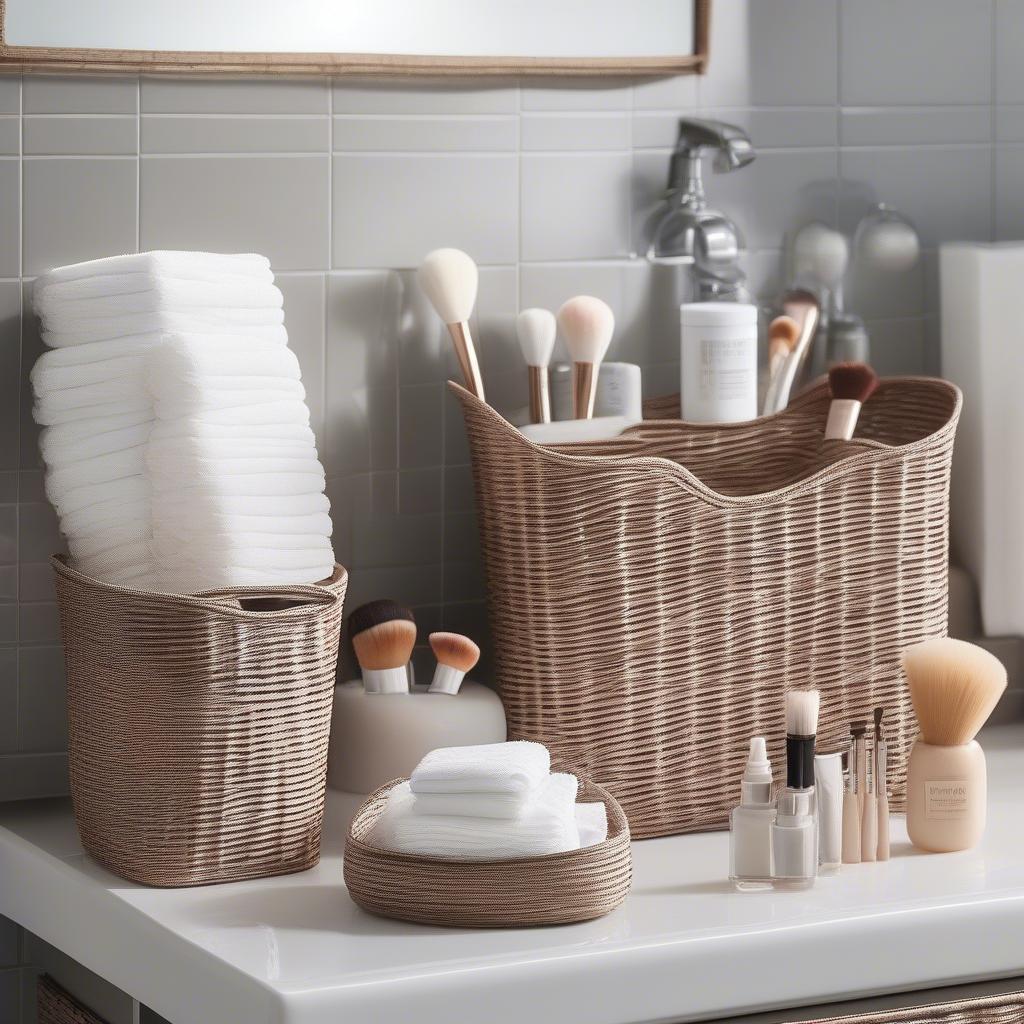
point(456, 655)
point(851, 384)
point(536, 330)
point(783, 335)
point(449, 278)
point(954, 687)
point(383, 635)
point(587, 324)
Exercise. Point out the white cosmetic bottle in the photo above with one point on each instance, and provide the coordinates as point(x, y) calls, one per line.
point(718, 362)
point(750, 824)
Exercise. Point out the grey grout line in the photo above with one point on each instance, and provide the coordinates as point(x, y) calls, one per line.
point(138, 164)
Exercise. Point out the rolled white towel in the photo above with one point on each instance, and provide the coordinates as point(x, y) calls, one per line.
point(547, 826)
point(273, 506)
point(181, 529)
point(214, 485)
point(592, 822)
point(50, 413)
point(112, 466)
point(163, 294)
point(115, 513)
point(516, 769)
point(49, 375)
point(78, 499)
point(162, 263)
point(69, 443)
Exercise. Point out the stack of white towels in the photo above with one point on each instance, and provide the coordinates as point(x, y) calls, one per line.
point(177, 439)
point(489, 802)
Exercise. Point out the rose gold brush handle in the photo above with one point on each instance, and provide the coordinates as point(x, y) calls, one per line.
point(584, 390)
point(465, 352)
point(540, 396)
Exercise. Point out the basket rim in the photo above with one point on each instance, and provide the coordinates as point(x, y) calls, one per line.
point(218, 602)
point(869, 451)
point(618, 832)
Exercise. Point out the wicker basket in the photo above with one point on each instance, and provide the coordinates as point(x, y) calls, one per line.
point(198, 726)
point(561, 888)
point(652, 597)
point(55, 1006)
point(1004, 1008)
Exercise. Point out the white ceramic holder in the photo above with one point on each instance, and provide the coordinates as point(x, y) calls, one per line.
point(377, 737)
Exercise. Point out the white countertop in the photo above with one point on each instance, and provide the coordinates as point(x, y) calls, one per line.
point(684, 947)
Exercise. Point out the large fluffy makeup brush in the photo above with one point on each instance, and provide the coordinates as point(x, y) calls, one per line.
point(456, 655)
point(449, 279)
point(954, 687)
point(587, 325)
point(536, 329)
point(852, 384)
point(383, 634)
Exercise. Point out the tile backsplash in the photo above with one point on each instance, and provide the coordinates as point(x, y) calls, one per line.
point(346, 184)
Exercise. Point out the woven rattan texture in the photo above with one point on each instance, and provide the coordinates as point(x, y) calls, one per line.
point(1007, 1008)
point(198, 727)
point(55, 1006)
point(653, 597)
point(559, 889)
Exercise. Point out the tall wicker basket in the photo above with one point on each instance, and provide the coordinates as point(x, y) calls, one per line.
point(653, 597)
point(198, 726)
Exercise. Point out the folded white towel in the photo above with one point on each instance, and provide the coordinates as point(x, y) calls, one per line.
point(164, 294)
point(288, 412)
point(50, 376)
point(101, 469)
point(272, 506)
point(547, 826)
point(129, 489)
point(194, 580)
point(472, 805)
point(162, 263)
point(113, 514)
point(215, 485)
point(196, 433)
point(71, 442)
point(96, 544)
point(50, 413)
point(181, 527)
point(176, 399)
point(592, 822)
point(517, 769)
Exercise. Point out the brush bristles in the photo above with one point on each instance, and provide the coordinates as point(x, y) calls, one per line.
point(449, 280)
point(536, 330)
point(954, 686)
point(783, 334)
point(386, 645)
point(852, 381)
point(456, 650)
point(373, 613)
point(587, 325)
point(802, 712)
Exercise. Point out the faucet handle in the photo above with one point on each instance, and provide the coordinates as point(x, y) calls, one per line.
point(733, 145)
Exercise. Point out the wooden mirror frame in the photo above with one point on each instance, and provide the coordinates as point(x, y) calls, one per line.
point(45, 59)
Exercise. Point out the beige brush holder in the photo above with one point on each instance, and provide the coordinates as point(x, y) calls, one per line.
point(653, 597)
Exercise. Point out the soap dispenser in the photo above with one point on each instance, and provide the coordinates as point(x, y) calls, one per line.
point(684, 230)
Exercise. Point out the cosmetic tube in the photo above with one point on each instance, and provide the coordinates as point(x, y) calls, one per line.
point(750, 824)
point(828, 786)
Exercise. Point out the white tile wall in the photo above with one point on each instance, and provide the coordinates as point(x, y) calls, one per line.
point(346, 184)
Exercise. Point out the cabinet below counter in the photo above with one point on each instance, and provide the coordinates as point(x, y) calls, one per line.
point(295, 950)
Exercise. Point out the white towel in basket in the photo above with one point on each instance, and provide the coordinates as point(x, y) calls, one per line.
point(513, 769)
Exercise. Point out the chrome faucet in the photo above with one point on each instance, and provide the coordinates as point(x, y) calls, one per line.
point(684, 230)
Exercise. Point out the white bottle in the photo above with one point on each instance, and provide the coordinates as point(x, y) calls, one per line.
point(750, 824)
point(795, 840)
point(718, 363)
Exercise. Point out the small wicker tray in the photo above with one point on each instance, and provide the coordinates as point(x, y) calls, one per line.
point(562, 888)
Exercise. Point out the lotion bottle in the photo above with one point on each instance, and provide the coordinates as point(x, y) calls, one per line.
point(718, 362)
point(750, 824)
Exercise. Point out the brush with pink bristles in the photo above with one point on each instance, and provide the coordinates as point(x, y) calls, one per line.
point(587, 325)
point(456, 655)
point(852, 384)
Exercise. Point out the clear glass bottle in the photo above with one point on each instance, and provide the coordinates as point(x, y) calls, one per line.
point(750, 824)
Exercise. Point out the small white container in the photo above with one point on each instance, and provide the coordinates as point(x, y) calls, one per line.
point(718, 362)
point(619, 391)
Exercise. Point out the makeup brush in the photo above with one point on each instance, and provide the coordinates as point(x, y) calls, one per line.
point(852, 384)
point(383, 634)
point(800, 306)
point(851, 806)
point(869, 821)
point(587, 325)
point(448, 278)
point(783, 333)
point(456, 655)
point(954, 686)
point(882, 786)
point(536, 329)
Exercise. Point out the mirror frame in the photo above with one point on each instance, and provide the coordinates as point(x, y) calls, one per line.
point(49, 60)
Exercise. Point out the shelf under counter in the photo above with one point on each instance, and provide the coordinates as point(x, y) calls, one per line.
point(295, 950)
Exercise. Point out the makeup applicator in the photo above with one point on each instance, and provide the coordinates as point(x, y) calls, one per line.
point(852, 384)
point(587, 325)
point(954, 687)
point(383, 634)
point(882, 786)
point(536, 329)
point(799, 306)
point(456, 655)
point(448, 278)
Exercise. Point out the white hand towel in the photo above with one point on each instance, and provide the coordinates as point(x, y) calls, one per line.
point(97, 544)
point(180, 529)
point(104, 286)
point(176, 399)
point(101, 469)
point(48, 375)
point(472, 805)
point(547, 826)
point(194, 580)
point(292, 411)
point(52, 414)
point(114, 514)
point(162, 263)
point(592, 822)
point(215, 485)
point(164, 294)
point(191, 359)
point(272, 506)
point(515, 768)
point(71, 442)
point(130, 489)
point(196, 433)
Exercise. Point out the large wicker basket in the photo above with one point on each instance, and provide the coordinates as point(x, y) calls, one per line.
point(653, 597)
point(561, 888)
point(198, 726)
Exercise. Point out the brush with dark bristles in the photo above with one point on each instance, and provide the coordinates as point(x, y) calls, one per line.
point(852, 384)
point(383, 634)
